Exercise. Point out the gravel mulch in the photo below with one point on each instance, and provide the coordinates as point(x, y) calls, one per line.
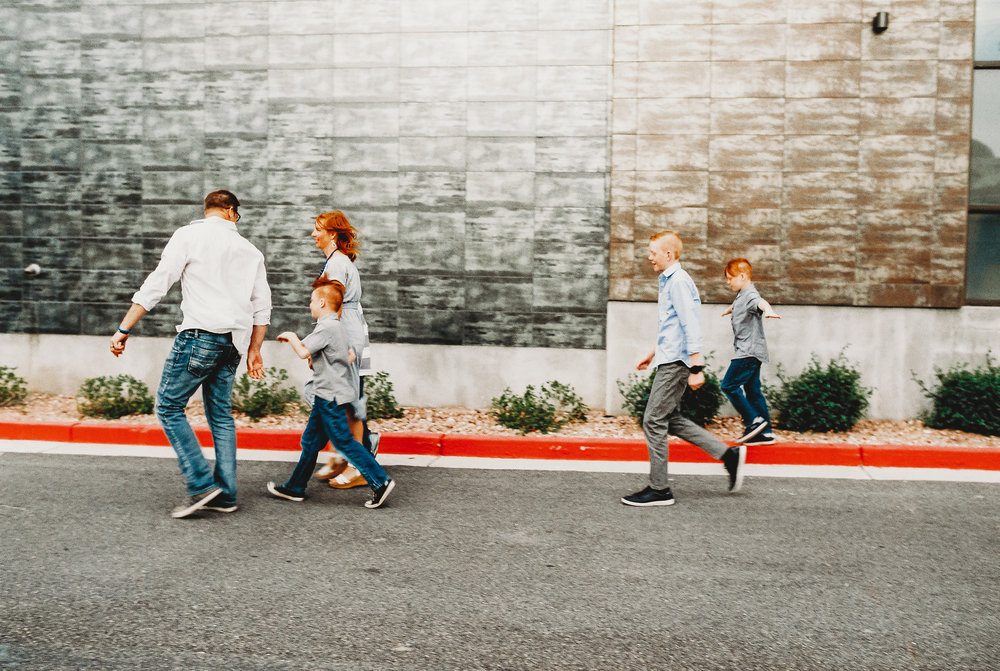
point(55, 408)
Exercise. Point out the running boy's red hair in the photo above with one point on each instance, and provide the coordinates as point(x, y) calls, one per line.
point(737, 266)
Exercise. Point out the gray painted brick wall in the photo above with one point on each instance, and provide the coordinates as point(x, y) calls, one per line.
point(467, 140)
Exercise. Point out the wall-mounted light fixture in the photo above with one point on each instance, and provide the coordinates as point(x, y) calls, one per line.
point(880, 23)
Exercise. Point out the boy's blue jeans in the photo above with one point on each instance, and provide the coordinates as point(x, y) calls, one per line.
point(744, 375)
point(328, 421)
point(207, 360)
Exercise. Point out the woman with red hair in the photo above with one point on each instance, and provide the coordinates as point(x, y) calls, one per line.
point(338, 240)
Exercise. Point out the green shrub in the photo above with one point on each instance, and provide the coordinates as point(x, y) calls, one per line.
point(114, 397)
point(699, 405)
point(964, 399)
point(13, 388)
point(821, 398)
point(381, 402)
point(554, 406)
point(268, 396)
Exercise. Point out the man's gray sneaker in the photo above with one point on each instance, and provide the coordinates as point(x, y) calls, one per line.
point(195, 503)
point(221, 507)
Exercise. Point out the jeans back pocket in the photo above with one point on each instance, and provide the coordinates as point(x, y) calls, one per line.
point(205, 359)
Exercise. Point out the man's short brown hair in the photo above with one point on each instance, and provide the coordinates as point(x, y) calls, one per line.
point(222, 200)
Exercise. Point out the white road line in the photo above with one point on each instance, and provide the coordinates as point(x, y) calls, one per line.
point(485, 463)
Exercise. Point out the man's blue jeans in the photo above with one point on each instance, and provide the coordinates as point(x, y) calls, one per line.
point(744, 375)
point(207, 360)
point(328, 421)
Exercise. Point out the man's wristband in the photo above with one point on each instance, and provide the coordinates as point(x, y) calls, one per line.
point(125, 331)
point(696, 369)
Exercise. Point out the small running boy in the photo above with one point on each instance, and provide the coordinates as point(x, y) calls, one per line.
point(336, 388)
point(750, 348)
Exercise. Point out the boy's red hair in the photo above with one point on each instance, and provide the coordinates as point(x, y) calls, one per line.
point(737, 266)
point(329, 290)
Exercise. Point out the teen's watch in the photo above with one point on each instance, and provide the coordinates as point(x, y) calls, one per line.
point(696, 369)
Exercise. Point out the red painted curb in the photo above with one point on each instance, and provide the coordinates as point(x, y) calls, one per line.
point(59, 432)
point(112, 432)
point(266, 439)
point(543, 447)
point(805, 454)
point(916, 456)
point(411, 443)
point(532, 447)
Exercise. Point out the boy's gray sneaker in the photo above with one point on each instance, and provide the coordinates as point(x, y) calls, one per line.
point(756, 426)
point(195, 503)
point(762, 439)
point(379, 495)
point(374, 438)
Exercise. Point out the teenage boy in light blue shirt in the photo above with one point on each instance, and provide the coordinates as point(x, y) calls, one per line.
point(335, 384)
point(678, 363)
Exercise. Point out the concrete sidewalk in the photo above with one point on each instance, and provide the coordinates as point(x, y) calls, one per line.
point(552, 449)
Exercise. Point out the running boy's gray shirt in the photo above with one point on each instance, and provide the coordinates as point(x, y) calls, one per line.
point(332, 377)
point(748, 325)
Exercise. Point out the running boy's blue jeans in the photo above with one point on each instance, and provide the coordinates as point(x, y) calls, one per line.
point(328, 421)
point(744, 375)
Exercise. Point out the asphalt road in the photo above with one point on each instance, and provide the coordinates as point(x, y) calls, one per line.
point(468, 569)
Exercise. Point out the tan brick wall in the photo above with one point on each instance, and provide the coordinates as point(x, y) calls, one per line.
point(833, 158)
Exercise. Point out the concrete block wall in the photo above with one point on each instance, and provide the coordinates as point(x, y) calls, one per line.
point(466, 139)
point(835, 159)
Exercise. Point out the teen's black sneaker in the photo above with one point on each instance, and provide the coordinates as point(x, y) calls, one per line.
point(755, 428)
point(280, 492)
point(374, 438)
point(195, 503)
point(762, 439)
point(221, 506)
point(734, 460)
point(650, 497)
point(379, 495)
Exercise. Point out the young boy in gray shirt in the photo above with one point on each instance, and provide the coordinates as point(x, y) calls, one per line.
point(336, 387)
point(741, 384)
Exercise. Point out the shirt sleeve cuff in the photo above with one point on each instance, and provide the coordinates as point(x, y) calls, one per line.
point(146, 303)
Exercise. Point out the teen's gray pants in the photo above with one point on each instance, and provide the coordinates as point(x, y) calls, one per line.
point(663, 414)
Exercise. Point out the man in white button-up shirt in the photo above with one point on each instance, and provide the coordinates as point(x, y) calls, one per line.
point(226, 304)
